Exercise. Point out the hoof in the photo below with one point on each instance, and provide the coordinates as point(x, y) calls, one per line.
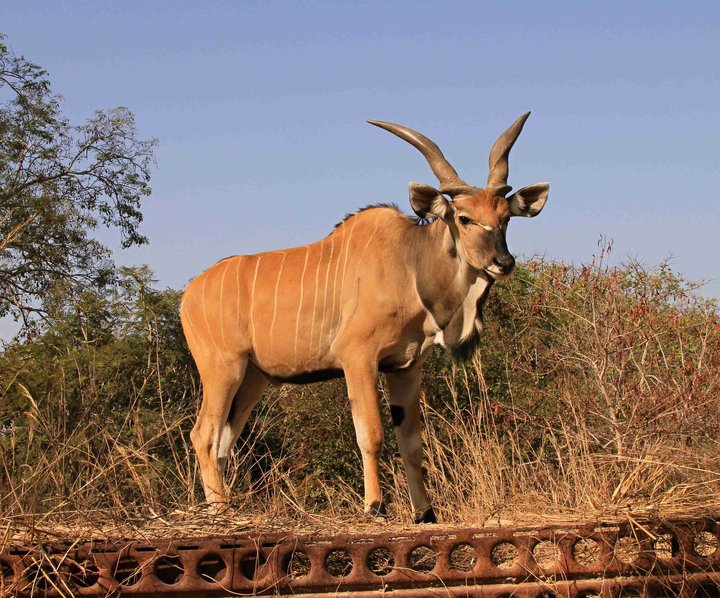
point(427, 516)
point(218, 508)
point(376, 509)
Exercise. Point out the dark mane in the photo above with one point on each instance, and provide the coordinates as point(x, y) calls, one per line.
point(393, 206)
point(226, 258)
point(372, 206)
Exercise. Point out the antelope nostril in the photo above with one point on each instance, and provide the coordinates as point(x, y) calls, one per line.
point(505, 262)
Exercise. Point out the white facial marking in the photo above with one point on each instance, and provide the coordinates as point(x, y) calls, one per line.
point(486, 227)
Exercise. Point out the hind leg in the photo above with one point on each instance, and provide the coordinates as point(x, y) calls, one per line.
point(247, 397)
point(220, 384)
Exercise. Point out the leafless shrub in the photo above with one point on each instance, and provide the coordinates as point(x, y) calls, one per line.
point(595, 392)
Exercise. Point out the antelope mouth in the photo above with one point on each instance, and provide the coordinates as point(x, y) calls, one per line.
point(497, 273)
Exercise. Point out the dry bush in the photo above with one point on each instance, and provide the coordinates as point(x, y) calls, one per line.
point(595, 392)
point(599, 394)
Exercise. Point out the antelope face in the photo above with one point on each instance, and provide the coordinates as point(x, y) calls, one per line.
point(481, 223)
point(477, 218)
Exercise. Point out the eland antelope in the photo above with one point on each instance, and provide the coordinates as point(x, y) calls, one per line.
point(372, 297)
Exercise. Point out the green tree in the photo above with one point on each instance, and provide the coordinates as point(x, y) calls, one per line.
point(58, 182)
point(106, 380)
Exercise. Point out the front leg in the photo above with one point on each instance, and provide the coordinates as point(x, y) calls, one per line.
point(404, 390)
point(362, 380)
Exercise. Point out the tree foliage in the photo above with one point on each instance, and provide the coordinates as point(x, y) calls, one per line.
point(107, 369)
point(58, 182)
point(587, 376)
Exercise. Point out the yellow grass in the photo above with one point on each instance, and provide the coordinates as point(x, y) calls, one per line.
point(597, 401)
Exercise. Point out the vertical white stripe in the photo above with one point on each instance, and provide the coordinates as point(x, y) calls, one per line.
point(327, 277)
point(196, 334)
point(252, 301)
point(334, 287)
point(347, 250)
point(302, 292)
point(207, 323)
point(370, 239)
point(317, 279)
point(361, 261)
point(222, 294)
point(277, 286)
point(238, 260)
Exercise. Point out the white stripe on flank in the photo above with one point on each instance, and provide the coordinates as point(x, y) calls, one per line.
point(317, 278)
point(347, 250)
point(252, 302)
point(207, 323)
point(327, 277)
point(222, 285)
point(277, 286)
point(196, 335)
point(361, 261)
point(334, 287)
point(237, 310)
point(367, 244)
point(302, 292)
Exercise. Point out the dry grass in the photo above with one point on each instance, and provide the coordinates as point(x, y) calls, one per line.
point(603, 405)
point(484, 470)
point(609, 404)
point(480, 473)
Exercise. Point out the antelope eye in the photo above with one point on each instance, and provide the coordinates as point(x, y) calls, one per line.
point(464, 220)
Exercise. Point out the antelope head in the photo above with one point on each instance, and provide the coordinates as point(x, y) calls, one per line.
point(477, 218)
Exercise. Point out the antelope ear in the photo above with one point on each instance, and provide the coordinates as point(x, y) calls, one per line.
point(529, 201)
point(428, 202)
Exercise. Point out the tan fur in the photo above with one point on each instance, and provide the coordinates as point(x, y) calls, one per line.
point(374, 295)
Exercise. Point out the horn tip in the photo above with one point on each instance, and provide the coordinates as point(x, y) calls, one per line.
point(388, 126)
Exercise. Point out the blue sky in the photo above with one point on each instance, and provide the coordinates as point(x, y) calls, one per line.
point(260, 111)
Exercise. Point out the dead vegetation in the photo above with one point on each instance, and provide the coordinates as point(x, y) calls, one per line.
point(594, 396)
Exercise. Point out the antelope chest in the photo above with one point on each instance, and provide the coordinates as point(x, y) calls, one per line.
point(460, 323)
